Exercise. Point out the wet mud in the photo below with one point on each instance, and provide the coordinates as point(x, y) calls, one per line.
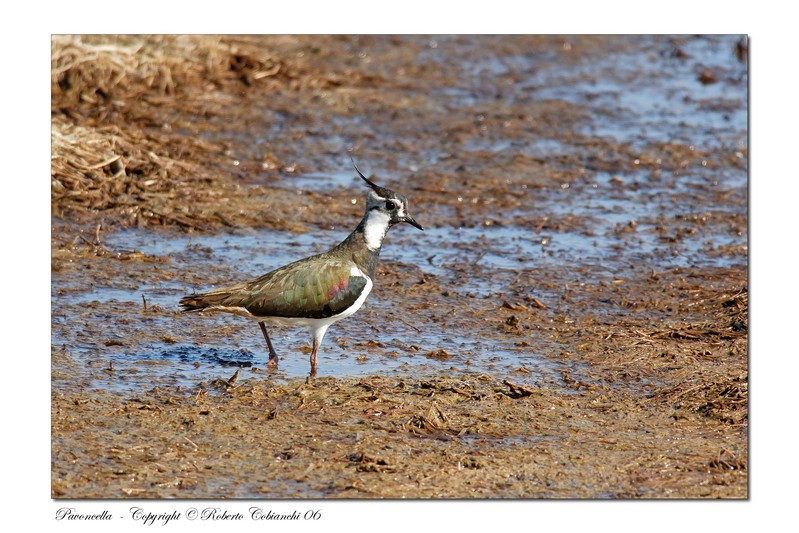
point(572, 324)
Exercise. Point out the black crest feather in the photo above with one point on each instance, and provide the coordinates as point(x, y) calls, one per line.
point(381, 191)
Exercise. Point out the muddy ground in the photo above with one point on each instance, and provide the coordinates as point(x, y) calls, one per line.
point(646, 395)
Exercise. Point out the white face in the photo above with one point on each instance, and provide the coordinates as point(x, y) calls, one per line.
point(384, 208)
point(377, 224)
point(395, 206)
point(381, 213)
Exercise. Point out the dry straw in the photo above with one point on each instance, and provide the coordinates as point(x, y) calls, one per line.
point(112, 151)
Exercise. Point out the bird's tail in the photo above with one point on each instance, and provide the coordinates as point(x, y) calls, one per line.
point(222, 297)
point(193, 302)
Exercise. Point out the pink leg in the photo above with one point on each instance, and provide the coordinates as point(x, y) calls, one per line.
point(313, 357)
point(272, 352)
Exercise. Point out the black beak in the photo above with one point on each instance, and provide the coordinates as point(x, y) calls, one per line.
point(409, 219)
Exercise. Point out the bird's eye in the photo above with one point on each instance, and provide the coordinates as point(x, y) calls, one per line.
point(391, 205)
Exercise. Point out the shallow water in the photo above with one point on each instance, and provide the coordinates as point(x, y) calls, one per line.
point(635, 97)
point(495, 255)
point(402, 345)
point(580, 295)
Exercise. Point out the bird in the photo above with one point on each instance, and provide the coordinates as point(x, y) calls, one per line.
point(317, 291)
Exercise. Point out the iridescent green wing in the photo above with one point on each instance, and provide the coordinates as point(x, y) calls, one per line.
point(310, 288)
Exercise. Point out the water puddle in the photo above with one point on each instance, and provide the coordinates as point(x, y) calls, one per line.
point(659, 95)
point(620, 220)
point(325, 180)
point(477, 262)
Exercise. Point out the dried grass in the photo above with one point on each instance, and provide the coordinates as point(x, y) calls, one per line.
point(120, 174)
point(93, 68)
point(109, 98)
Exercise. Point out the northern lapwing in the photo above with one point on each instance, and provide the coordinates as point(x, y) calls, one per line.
point(320, 290)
